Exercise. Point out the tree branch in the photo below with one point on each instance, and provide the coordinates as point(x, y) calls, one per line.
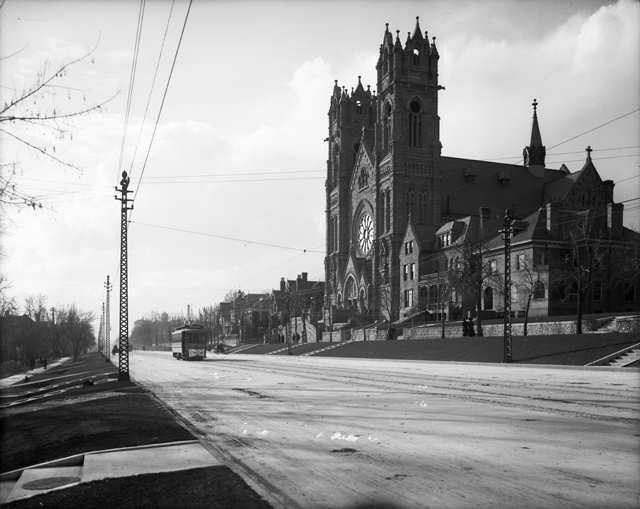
point(42, 151)
point(49, 79)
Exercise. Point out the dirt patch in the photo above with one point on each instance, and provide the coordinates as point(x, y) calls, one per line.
point(344, 450)
point(251, 393)
point(212, 487)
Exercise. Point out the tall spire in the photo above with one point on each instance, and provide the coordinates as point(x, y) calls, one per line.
point(417, 33)
point(535, 153)
point(536, 139)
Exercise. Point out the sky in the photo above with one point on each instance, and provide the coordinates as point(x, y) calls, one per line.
point(239, 150)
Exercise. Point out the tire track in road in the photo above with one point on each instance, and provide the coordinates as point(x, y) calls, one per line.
point(407, 384)
point(456, 470)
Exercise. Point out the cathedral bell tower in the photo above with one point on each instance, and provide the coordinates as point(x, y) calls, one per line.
point(407, 149)
point(349, 114)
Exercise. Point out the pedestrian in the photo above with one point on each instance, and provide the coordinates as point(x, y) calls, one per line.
point(471, 331)
point(465, 327)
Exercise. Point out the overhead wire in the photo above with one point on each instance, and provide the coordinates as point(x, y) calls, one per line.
point(132, 78)
point(226, 237)
point(164, 96)
point(153, 84)
point(619, 117)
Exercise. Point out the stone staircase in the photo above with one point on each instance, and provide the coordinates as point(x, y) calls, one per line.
point(626, 358)
point(241, 348)
point(619, 359)
point(329, 347)
point(285, 348)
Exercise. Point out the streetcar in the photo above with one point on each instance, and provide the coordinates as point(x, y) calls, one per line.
point(189, 342)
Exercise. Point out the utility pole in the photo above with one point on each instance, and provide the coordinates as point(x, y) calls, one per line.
point(54, 333)
point(107, 318)
point(123, 349)
point(101, 332)
point(507, 231)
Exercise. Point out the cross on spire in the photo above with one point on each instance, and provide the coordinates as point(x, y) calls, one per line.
point(589, 150)
point(535, 105)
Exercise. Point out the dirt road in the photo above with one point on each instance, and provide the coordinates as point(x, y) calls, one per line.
point(331, 432)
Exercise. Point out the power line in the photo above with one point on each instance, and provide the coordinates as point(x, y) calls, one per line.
point(607, 149)
point(594, 150)
point(225, 237)
point(238, 174)
point(595, 159)
point(595, 128)
point(153, 84)
point(625, 179)
point(132, 78)
point(164, 96)
point(236, 181)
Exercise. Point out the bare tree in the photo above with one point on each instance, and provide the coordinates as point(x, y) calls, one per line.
point(8, 305)
point(583, 262)
point(35, 307)
point(526, 287)
point(39, 105)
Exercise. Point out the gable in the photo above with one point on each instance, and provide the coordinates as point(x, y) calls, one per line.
point(362, 168)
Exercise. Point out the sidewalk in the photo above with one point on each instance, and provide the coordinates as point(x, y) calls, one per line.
point(13, 379)
point(74, 436)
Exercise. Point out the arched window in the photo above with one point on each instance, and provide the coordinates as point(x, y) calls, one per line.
point(538, 290)
point(488, 298)
point(410, 203)
point(340, 300)
point(359, 107)
point(350, 291)
point(386, 128)
point(422, 207)
point(415, 124)
point(363, 179)
point(416, 57)
point(387, 218)
point(362, 301)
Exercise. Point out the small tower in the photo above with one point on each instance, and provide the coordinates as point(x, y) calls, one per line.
point(535, 153)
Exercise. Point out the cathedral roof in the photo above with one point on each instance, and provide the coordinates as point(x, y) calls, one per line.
point(559, 189)
point(530, 228)
point(471, 184)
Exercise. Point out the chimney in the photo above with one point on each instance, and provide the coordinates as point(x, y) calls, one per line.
point(283, 284)
point(304, 276)
point(609, 185)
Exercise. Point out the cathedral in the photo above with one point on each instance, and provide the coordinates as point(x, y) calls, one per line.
point(399, 214)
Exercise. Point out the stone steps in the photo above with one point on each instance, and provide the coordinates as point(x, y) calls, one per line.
point(330, 347)
point(626, 358)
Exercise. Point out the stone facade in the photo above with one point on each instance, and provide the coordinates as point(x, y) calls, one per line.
point(389, 185)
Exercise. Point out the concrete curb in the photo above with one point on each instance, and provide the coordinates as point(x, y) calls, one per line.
point(105, 464)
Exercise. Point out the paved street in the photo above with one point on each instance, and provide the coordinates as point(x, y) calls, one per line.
point(332, 432)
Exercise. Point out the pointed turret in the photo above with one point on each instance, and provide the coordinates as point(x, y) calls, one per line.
point(336, 89)
point(359, 88)
point(417, 33)
point(535, 153)
point(434, 50)
point(398, 44)
point(387, 39)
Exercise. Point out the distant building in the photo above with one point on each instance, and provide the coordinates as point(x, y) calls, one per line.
point(405, 224)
